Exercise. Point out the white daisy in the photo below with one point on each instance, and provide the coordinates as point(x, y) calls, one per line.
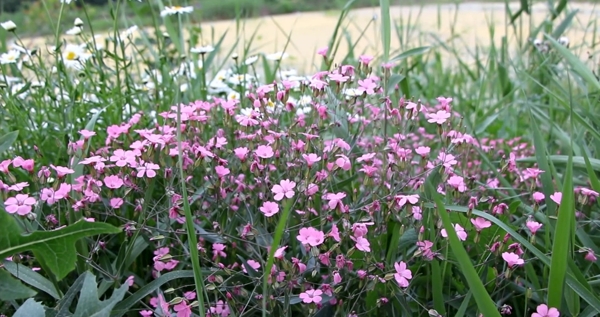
point(251, 60)
point(202, 49)
point(176, 10)
point(9, 25)
point(10, 57)
point(74, 31)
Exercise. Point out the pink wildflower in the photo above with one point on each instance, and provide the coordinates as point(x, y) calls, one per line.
point(311, 236)
point(512, 259)
point(460, 232)
point(285, 188)
point(312, 296)
point(403, 274)
point(21, 204)
point(269, 208)
point(544, 311)
point(439, 117)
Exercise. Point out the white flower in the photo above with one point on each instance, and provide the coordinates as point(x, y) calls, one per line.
point(277, 56)
point(78, 22)
point(251, 60)
point(202, 49)
point(9, 25)
point(65, 1)
point(176, 10)
point(239, 79)
point(352, 92)
point(75, 55)
point(305, 101)
point(9, 57)
point(129, 31)
point(74, 31)
point(233, 95)
point(564, 41)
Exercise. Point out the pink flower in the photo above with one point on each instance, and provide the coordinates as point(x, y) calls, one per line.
point(183, 309)
point(21, 204)
point(279, 253)
point(323, 51)
point(365, 59)
point(220, 309)
point(362, 244)
point(222, 171)
point(538, 197)
point(219, 250)
point(423, 150)
point(148, 169)
point(285, 188)
point(367, 86)
point(269, 208)
point(343, 162)
point(403, 199)
point(403, 274)
point(533, 226)
point(335, 233)
point(312, 296)
point(124, 158)
point(311, 158)
point(512, 259)
point(439, 117)
point(113, 182)
point(480, 223)
point(264, 151)
point(87, 134)
point(146, 313)
point(62, 171)
point(311, 236)
point(544, 311)
point(241, 152)
point(556, 197)
point(460, 232)
point(458, 183)
point(590, 256)
point(116, 202)
point(253, 264)
point(335, 200)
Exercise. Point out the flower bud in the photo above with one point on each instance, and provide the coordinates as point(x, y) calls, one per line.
point(9, 25)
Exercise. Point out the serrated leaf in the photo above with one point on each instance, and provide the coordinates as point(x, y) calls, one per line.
point(11, 288)
point(55, 248)
point(30, 308)
point(90, 306)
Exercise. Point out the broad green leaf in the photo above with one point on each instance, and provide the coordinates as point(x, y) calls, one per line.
point(89, 305)
point(32, 278)
point(412, 52)
point(393, 81)
point(55, 248)
point(11, 288)
point(30, 308)
point(7, 140)
point(484, 302)
point(561, 243)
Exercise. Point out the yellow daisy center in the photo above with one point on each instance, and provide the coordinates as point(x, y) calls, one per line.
point(71, 56)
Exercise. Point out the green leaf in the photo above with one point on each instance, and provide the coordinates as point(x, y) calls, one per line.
point(576, 64)
point(484, 302)
point(7, 140)
point(55, 248)
point(32, 278)
point(89, 305)
point(562, 239)
point(393, 81)
point(412, 52)
point(30, 308)
point(582, 289)
point(11, 288)
point(564, 25)
point(125, 305)
point(386, 28)
point(437, 287)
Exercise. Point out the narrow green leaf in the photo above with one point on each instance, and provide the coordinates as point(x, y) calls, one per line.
point(562, 239)
point(386, 28)
point(55, 248)
point(564, 25)
point(393, 81)
point(484, 302)
point(89, 303)
point(32, 278)
point(578, 161)
point(12, 289)
point(7, 140)
point(410, 53)
point(576, 64)
point(464, 305)
point(437, 288)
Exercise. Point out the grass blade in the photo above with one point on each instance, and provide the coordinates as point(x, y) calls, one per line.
point(386, 28)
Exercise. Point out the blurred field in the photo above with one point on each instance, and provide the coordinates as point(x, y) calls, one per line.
point(467, 24)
